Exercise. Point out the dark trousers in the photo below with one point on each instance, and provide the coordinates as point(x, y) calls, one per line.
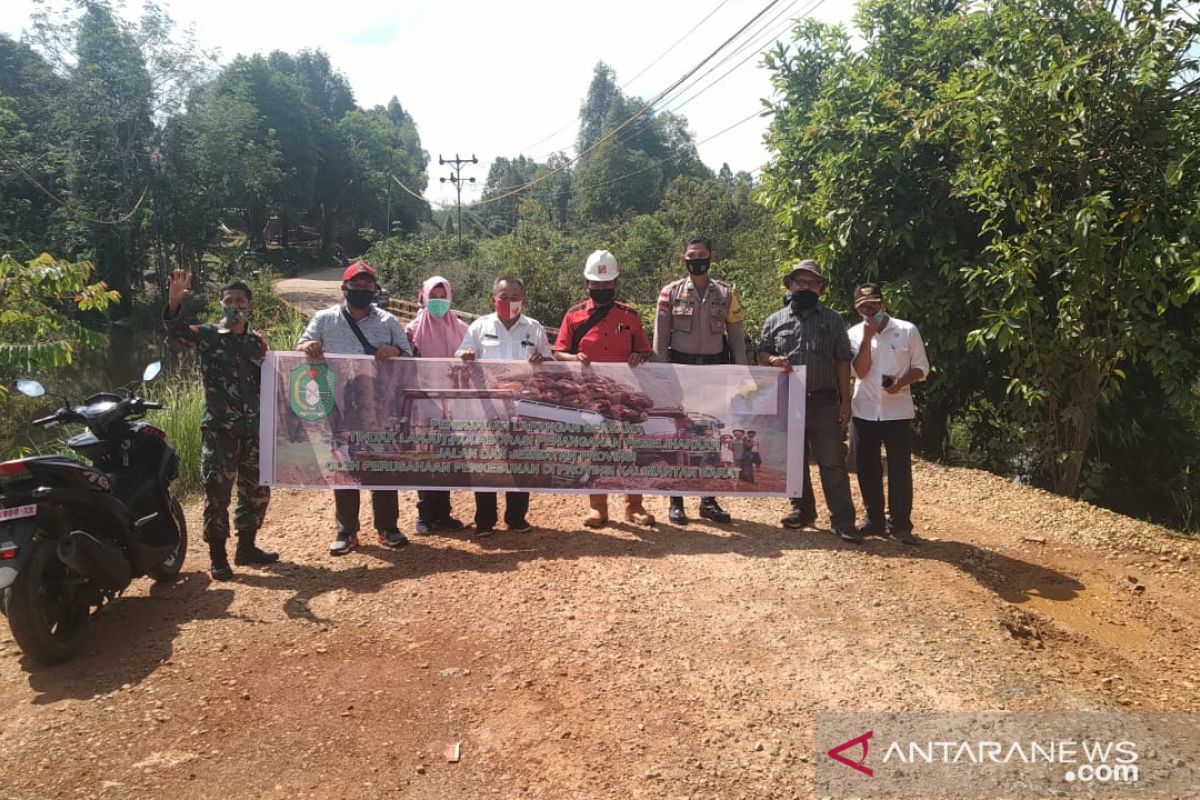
point(824, 446)
point(433, 506)
point(896, 436)
point(230, 459)
point(806, 504)
point(516, 505)
point(385, 507)
point(689, 358)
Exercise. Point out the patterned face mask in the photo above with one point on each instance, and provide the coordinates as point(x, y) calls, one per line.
point(235, 315)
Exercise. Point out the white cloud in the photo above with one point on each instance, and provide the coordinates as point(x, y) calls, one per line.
point(493, 78)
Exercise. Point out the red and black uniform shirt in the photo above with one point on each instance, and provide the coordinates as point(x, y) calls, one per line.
point(618, 335)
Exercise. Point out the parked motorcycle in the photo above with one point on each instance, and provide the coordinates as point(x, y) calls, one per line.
point(73, 536)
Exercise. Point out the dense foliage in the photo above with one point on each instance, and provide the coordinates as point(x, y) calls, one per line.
point(1022, 176)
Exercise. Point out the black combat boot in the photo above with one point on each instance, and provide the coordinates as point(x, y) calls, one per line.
point(711, 509)
point(248, 554)
point(221, 571)
point(677, 515)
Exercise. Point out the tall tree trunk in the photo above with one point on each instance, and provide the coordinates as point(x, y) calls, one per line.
point(1080, 419)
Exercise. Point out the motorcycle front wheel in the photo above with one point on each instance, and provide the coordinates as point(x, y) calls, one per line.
point(46, 613)
point(168, 570)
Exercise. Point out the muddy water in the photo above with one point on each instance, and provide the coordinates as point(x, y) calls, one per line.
point(116, 367)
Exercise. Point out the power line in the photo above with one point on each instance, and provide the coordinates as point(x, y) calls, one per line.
point(642, 72)
point(678, 41)
point(637, 114)
point(120, 221)
point(757, 45)
point(656, 163)
point(609, 182)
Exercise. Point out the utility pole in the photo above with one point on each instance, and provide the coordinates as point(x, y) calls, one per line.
point(387, 231)
point(457, 164)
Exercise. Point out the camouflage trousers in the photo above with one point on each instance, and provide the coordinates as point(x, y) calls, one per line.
point(229, 458)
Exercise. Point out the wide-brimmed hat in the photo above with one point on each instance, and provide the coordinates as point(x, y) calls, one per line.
point(807, 265)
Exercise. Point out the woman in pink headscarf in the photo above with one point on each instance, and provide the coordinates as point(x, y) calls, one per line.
point(435, 333)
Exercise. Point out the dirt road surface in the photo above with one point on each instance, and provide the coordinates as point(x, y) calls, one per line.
point(312, 292)
point(622, 663)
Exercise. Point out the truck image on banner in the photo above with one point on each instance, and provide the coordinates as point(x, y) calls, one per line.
point(351, 421)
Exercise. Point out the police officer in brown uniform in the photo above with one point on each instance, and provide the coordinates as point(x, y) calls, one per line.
point(699, 321)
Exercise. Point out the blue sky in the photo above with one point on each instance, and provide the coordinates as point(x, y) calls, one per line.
point(507, 78)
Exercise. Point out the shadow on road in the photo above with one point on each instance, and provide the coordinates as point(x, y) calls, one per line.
point(133, 636)
point(1011, 578)
point(129, 639)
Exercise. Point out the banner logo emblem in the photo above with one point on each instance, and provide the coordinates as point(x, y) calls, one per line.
point(310, 390)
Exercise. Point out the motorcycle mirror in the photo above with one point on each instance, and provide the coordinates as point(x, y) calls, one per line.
point(30, 388)
point(151, 371)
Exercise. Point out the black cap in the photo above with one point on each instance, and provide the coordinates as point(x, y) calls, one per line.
point(867, 293)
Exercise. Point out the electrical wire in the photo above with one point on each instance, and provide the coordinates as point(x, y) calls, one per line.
point(603, 139)
point(119, 221)
point(660, 57)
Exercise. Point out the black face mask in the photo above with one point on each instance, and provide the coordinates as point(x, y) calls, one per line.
point(359, 298)
point(602, 297)
point(802, 301)
point(698, 266)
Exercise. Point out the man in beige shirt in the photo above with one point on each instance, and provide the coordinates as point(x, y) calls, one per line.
point(699, 321)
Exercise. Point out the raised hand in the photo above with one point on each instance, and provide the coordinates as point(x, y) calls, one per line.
point(179, 286)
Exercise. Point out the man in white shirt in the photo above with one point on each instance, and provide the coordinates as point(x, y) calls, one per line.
point(505, 335)
point(889, 357)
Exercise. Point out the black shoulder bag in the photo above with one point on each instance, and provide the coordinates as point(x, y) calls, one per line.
point(368, 348)
point(592, 321)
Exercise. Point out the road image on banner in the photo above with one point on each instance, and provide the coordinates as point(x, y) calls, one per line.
point(352, 421)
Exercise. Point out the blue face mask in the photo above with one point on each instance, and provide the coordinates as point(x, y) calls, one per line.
point(437, 306)
point(877, 317)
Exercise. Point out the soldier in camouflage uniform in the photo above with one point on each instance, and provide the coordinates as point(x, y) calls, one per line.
point(230, 357)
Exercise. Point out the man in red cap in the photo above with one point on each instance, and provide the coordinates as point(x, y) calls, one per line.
point(354, 327)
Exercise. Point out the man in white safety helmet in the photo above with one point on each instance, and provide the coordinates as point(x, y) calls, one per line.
point(604, 331)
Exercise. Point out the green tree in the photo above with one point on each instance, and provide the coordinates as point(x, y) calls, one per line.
point(627, 173)
point(1019, 174)
point(1078, 151)
point(256, 141)
point(107, 135)
point(38, 304)
point(504, 175)
point(30, 153)
point(383, 144)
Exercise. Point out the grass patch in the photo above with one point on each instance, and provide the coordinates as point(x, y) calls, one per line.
point(183, 397)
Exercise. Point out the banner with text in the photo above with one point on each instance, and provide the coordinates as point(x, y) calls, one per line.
point(352, 421)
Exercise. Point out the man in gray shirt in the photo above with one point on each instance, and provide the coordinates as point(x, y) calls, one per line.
point(809, 334)
point(359, 327)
